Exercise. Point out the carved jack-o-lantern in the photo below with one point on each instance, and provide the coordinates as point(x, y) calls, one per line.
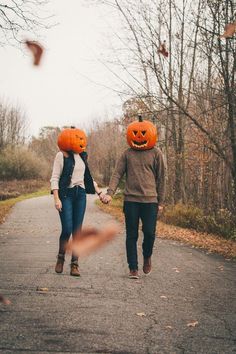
point(72, 140)
point(141, 134)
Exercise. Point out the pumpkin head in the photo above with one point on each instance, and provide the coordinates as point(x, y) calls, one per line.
point(72, 140)
point(141, 134)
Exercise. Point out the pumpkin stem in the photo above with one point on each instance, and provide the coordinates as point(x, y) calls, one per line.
point(140, 118)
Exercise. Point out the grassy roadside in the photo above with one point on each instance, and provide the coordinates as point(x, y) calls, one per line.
point(6, 205)
point(203, 240)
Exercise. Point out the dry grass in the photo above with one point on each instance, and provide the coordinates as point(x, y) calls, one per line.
point(209, 242)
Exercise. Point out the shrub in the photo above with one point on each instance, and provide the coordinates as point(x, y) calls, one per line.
point(222, 223)
point(20, 163)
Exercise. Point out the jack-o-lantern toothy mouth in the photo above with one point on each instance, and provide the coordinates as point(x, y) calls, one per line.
point(139, 144)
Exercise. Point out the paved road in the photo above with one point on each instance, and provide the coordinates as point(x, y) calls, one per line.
point(103, 311)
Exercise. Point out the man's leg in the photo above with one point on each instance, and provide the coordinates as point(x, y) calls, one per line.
point(131, 211)
point(149, 219)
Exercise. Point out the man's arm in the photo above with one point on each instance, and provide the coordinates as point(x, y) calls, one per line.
point(116, 177)
point(160, 179)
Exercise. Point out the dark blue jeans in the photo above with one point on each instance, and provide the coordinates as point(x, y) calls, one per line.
point(72, 215)
point(147, 212)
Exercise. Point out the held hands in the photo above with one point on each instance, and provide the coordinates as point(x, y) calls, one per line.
point(105, 198)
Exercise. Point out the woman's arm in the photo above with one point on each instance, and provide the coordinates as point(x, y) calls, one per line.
point(57, 201)
point(56, 173)
point(98, 190)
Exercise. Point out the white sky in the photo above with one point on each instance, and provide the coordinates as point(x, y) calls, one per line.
point(60, 92)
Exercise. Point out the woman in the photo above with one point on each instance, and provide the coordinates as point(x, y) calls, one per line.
point(70, 181)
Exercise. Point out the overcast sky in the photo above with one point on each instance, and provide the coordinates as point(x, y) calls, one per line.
point(60, 91)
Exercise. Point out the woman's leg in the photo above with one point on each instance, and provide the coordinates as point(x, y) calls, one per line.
point(66, 216)
point(79, 206)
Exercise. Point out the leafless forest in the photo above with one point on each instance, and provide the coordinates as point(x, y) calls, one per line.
point(178, 58)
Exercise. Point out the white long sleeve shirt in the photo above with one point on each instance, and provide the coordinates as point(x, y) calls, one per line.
point(77, 178)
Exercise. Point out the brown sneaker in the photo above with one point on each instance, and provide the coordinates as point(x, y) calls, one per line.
point(74, 269)
point(133, 274)
point(147, 265)
point(60, 263)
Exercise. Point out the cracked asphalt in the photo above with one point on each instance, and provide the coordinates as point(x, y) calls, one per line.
point(187, 304)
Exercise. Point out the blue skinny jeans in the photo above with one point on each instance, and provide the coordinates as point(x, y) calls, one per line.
point(71, 215)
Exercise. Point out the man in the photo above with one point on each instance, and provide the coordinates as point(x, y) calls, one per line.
point(144, 169)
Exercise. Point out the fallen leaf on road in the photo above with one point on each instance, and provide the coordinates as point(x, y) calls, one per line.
point(4, 300)
point(168, 327)
point(141, 314)
point(192, 324)
point(221, 268)
point(42, 289)
point(176, 270)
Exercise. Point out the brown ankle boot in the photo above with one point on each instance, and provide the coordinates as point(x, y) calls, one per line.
point(147, 265)
point(74, 269)
point(60, 263)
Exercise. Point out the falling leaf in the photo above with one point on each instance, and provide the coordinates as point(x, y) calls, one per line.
point(162, 49)
point(90, 239)
point(141, 314)
point(229, 30)
point(192, 324)
point(163, 297)
point(4, 300)
point(42, 289)
point(37, 51)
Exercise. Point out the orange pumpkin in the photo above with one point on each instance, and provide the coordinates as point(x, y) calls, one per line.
point(72, 140)
point(141, 134)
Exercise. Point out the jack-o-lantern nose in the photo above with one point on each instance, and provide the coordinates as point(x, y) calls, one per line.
point(139, 136)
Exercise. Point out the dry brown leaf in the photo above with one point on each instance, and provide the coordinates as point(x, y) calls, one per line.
point(36, 49)
point(192, 324)
point(162, 49)
point(221, 268)
point(4, 300)
point(168, 327)
point(141, 314)
point(90, 239)
point(176, 270)
point(229, 30)
point(42, 289)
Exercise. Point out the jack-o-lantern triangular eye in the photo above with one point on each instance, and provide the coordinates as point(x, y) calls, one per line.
point(135, 132)
point(143, 132)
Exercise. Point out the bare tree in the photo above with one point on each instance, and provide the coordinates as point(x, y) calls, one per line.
point(12, 126)
point(19, 16)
